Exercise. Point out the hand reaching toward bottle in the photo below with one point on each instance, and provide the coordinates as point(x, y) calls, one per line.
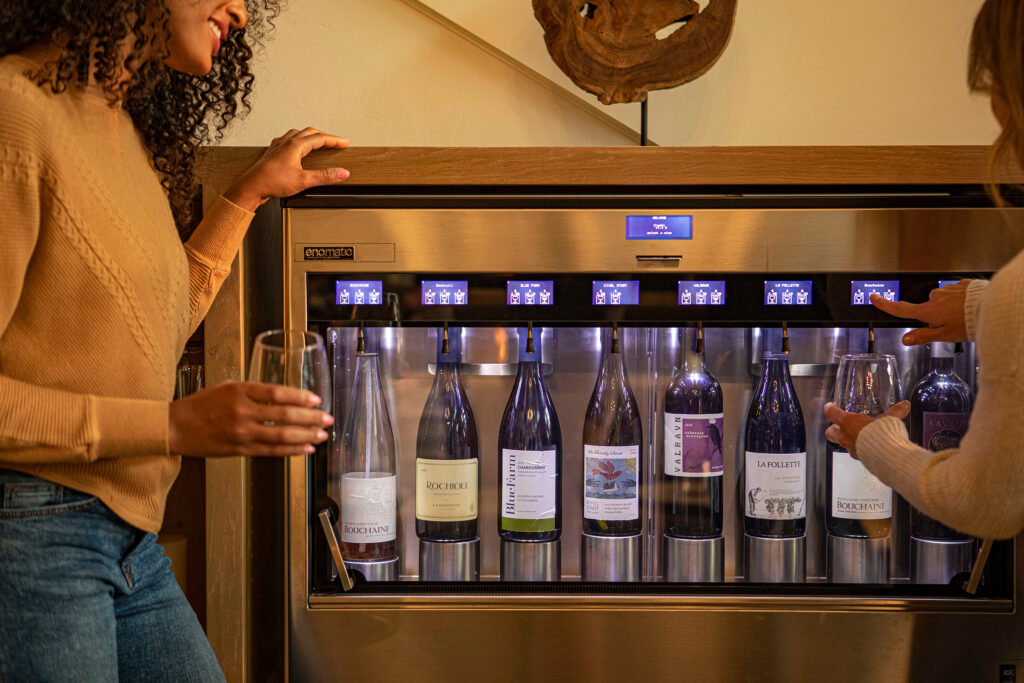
point(943, 313)
point(247, 418)
point(846, 426)
point(279, 173)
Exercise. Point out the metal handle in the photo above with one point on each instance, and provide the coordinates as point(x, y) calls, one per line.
point(659, 257)
point(979, 567)
point(332, 542)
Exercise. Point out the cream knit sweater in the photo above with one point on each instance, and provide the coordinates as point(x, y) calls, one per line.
point(977, 488)
point(97, 296)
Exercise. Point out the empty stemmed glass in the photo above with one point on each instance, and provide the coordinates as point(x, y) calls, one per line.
point(294, 358)
point(858, 504)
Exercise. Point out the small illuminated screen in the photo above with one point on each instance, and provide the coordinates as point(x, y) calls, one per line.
point(861, 291)
point(530, 293)
point(787, 292)
point(702, 292)
point(359, 292)
point(616, 292)
point(444, 292)
point(659, 227)
point(943, 283)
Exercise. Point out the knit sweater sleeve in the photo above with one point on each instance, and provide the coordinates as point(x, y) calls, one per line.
point(977, 488)
point(42, 424)
point(211, 251)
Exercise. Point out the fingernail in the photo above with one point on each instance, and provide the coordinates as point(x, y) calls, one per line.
point(327, 420)
point(315, 400)
point(309, 448)
point(321, 435)
point(342, 174)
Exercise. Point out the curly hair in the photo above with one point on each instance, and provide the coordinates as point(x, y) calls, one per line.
point(175, 113)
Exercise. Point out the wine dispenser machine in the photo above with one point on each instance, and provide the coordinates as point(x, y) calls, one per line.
point(593, 426)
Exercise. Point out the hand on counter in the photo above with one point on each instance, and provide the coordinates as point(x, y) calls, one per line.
point(943, 313)
point(247, 418)
point(846, 426)
point(279, 172)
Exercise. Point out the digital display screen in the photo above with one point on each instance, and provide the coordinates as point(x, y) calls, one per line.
point(702, 293)
point(659, 227)
point(861, 291)
point(359, 292)
point(444, 292)
point(530, 293)
point(616, 292)
point(943, 283)
point(787, 292)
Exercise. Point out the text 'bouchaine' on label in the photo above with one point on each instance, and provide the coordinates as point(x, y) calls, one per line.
point(776, 485)
point(611, 482)
point(368, 507)
point(446, 490)
point(693, 445)
point(856, 493)
point(528, 489)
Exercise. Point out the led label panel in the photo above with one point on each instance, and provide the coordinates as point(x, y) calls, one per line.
point(702, 292)
point(787, 292)
point(861, 291)
point(530, 293)
point(659, 227)
point(359, 292)
point(616, 292)
point(444, 292)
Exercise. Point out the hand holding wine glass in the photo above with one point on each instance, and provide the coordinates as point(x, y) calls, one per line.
point(846, 426)
point(943, 314)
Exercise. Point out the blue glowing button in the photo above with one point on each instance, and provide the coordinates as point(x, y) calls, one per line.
point(530, 293)
point(616, 292)
point(861, 291)
point(659, 227)
point(358, 292)
point(444, 292)
point(943, 283)
point(787, 292)
point(702, 293)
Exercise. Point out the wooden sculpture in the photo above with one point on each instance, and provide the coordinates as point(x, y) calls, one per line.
point(611, 47)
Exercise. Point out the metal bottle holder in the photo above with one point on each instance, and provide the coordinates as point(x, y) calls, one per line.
point(450, 560)
point(857, 560)
point(377, 570)
point(775, 560)
point(694, 560)
point(937, 562)
point(531, 561)
point(611, 558)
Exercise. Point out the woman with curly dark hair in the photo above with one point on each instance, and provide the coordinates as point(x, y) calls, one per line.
point(102, 108)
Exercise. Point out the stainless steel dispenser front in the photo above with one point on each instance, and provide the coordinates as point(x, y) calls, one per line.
point(399, 630)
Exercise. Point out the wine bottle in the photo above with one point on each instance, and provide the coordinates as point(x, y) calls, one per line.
point(447, 464)
point(940, 407)
point(859, 505)
point(612, 443)
point(775, 492)
point(369, 475)
point(530, 450)
point(694, 458)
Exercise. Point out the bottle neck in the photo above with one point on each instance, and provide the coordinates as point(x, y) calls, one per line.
point(775, 368)
point(693, 358)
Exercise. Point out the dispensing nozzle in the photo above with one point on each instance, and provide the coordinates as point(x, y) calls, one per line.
point(785, 338)
point(871, 338)
point(698, 345)
point(444, 340)
point(529, 337)
point(361, 345)
point(615, 337)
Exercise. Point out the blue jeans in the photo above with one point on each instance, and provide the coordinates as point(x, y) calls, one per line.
point(86, 597)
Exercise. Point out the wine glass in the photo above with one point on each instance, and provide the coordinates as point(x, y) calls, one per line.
point(867, 383)
point(294, 358)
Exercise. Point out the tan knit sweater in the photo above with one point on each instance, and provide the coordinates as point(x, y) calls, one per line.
point(977, 488)
point(97, 296)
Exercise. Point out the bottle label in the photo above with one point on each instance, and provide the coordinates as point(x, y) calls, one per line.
point(693, 445)
point(776, 485)
point(368, 507)
point(528, 490)
point(943, 431)
point(856, 493)
point(446, 490)
point(611, 489)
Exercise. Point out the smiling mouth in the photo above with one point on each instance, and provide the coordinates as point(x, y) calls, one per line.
point(216, 33)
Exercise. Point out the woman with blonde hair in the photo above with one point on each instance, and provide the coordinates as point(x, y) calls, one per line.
point(102, 108)
point(977, 488)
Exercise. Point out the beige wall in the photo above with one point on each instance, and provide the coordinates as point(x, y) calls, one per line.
point(796, 72)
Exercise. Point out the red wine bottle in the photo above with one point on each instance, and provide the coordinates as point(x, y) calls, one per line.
point(447, 447)
point(940, 407)
point(612, 447)
point(775, 473)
